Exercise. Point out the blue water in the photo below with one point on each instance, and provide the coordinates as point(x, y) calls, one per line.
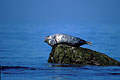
point(24, 54)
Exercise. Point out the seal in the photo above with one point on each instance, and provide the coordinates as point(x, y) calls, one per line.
point(55, 39)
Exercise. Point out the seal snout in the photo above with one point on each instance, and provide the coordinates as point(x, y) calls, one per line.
point(46, 39)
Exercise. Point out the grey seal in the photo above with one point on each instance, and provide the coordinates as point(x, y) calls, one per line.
point(55, 39)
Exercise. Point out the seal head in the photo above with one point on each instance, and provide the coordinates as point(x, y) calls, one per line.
point(50, 40)
point(65, 39)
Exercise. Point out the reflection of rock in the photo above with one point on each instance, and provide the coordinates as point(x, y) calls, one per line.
point(65, 54)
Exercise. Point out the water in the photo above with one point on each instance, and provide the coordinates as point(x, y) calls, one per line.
point(23, 53)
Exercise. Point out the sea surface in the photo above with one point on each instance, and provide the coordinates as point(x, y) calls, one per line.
point(24, 54)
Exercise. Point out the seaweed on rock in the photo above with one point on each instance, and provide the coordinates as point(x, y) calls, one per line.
point(65, 54)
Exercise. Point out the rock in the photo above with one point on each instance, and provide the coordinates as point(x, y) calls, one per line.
point(65, 54)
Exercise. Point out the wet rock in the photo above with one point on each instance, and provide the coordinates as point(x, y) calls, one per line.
point(65, 54)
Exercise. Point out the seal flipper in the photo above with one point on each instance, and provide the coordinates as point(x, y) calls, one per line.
point(89, 43)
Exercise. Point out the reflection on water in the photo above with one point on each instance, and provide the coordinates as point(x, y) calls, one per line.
point(23, 53)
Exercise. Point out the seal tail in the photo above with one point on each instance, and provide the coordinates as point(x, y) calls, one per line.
point(89, 43)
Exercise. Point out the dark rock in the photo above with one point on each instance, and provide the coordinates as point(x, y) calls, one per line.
point(65, 54)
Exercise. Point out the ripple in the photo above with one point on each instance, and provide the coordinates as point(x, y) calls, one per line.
point(16, 67)
point(23, 68)
point(114, 73)
point(107, 74)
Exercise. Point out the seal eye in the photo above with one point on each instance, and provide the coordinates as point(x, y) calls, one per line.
point(47, 36)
